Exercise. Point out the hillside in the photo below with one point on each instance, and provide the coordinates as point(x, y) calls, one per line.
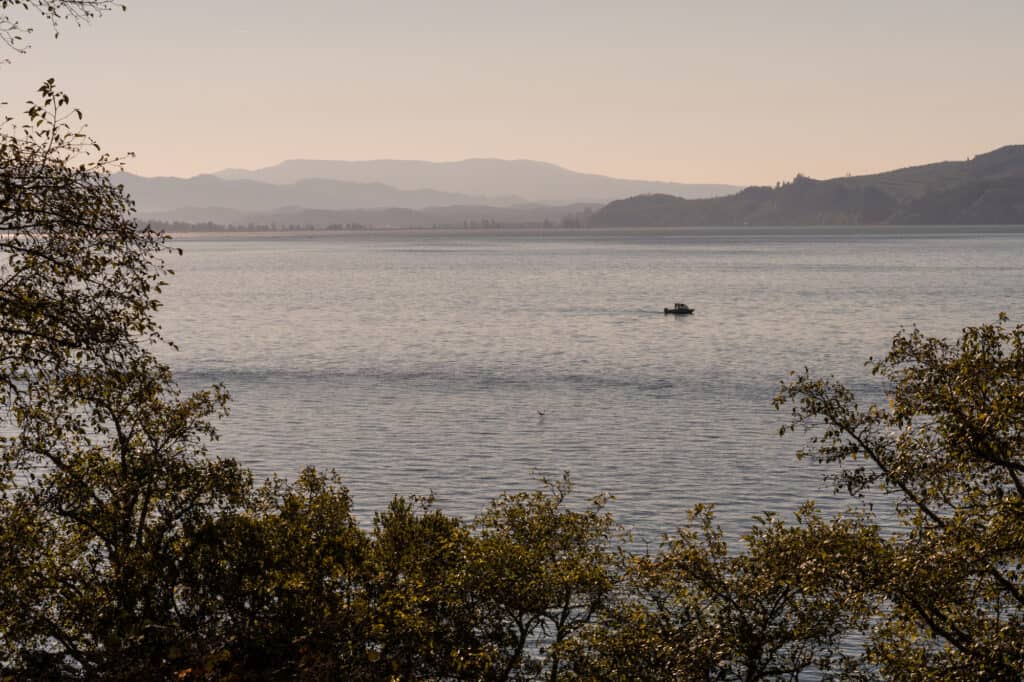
point(209, 191)
point(988, 189)
point(530, 180)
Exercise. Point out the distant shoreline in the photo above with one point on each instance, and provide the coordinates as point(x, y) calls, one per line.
point(827, 231)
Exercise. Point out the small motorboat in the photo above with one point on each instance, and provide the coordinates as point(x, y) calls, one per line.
point(680, 309)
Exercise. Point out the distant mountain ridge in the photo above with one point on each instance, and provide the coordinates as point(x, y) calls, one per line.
point(533, 181)
point(987, 189)
point(210, 191)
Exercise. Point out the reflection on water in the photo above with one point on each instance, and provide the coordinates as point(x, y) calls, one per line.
point(418, 361)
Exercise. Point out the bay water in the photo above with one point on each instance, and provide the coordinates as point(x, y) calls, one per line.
point(420, 361)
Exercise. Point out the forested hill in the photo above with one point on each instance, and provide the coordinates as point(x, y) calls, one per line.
point(985, 190)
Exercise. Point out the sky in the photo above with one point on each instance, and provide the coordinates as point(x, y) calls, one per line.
point(726, 91)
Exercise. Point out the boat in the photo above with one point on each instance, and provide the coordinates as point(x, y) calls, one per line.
point(680, 309)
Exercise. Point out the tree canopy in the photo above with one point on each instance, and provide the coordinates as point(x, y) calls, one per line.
point(949, 451)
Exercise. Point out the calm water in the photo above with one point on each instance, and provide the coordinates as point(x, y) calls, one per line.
point(418, 361)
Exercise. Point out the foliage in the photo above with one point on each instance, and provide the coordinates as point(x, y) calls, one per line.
point(787, 605)
point(94, 543)
point(78, 275)
point(542, 571)
point(426, 619)
point(277, 588)
point(14, 13)
point(950, 449)
point(103, 466)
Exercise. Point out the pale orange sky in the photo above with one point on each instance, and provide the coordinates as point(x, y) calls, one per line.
point(736, 92)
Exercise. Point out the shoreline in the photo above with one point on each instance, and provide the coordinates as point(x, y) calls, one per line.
point(822, 231)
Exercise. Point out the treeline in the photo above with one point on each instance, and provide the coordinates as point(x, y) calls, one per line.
point(279, 581)
point(178, 227)
point(573, 220)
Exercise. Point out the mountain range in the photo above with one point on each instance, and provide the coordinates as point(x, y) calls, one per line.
point(388, 193)
point(154, 195)
point(490, 179)
point(987, 189)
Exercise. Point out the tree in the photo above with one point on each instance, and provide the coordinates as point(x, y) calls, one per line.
point(279, 587)
point(96, 543)
point(104, 472)
point(80, 275)
point(949, 448)
point(787, 605)
point(542, 570)
point(426, 620)
point(14, 14)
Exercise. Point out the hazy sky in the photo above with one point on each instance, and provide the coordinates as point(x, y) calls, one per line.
point(724, 91)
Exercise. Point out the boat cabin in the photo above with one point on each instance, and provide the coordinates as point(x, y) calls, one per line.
point(680, 309)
